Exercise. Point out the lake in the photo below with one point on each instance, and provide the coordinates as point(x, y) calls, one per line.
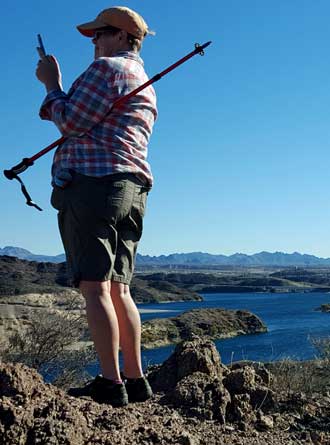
point(291, 320)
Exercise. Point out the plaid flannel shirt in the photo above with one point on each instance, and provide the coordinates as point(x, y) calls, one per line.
point(100, 142)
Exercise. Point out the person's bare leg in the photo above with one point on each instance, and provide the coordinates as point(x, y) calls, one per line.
point(130, 329)
point(103, 325)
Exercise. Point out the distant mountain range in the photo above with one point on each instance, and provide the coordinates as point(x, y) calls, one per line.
point(24, 254)
point(195, 259)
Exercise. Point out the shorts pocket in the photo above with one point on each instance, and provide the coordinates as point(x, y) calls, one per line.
point(119, 200)
point(57, 198)
point(143, 202)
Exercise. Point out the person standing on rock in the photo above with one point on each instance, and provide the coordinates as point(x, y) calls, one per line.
point(101, 179)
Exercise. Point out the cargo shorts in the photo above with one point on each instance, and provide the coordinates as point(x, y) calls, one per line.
point(100, 222)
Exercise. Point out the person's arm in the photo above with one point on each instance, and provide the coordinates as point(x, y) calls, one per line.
point(85, 106)
point(49, 73)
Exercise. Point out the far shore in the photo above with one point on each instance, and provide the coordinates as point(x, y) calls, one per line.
point(8, 309)
point(151, 311)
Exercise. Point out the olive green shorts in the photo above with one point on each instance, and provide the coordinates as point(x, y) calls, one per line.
point(100, 222)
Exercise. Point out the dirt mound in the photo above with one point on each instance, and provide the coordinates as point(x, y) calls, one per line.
point(198, 400)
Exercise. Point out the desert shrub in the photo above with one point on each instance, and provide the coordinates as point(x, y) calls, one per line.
point(322, 346)
point(290, 376)
point(46, 343)
point(304, 376)
point(173, 332)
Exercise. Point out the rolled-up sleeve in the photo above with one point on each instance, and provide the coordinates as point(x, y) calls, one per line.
point(85, 105)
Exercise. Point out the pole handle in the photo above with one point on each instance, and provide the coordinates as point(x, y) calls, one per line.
point(19, 168)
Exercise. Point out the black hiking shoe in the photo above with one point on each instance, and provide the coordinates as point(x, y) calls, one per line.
point(102, 390)
point(138, 390)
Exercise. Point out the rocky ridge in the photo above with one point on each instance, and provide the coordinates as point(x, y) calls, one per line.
point(18, 277)
point(197, 401)
point(248, 280)
point(211, 323)
point(21, 277)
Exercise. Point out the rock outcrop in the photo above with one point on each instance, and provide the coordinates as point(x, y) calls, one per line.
point(324, 307)
point(195, 381)
point(197, 400)
point(213, 323)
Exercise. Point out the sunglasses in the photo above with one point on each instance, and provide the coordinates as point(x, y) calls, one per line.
point(100, 32)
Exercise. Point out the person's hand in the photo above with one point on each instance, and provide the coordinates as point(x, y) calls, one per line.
point(49, 73)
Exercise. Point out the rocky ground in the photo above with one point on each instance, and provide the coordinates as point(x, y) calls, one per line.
point(197, 400)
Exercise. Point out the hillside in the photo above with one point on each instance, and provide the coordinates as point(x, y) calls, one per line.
point(246, 280)
point(25, 254)
point(19, 277)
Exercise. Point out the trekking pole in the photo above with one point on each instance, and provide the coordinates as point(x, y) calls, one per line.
point(28, 162)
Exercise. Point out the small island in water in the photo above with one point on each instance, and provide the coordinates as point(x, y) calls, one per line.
point(324, 307)
point(211, 323)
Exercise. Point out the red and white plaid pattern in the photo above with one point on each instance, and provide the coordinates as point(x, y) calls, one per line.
point(101, 142)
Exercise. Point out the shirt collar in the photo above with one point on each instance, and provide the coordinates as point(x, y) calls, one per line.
point(129, 55)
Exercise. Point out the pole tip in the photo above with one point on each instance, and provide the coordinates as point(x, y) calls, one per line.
point(201, 47)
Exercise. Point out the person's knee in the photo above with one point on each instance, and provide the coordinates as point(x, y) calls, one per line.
point(120, 290)
point(95, 289)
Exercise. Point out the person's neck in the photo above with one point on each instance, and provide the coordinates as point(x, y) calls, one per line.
point(125, 48)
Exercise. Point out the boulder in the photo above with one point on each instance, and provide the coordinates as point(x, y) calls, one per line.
point(244, 380)
point(263, 375)
point(195, 381)
point(199, 355)
point(202, 396)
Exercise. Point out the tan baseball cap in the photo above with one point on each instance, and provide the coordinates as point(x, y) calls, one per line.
point(120, 17)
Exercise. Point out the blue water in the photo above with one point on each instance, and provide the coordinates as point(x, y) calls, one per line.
point(291, 320)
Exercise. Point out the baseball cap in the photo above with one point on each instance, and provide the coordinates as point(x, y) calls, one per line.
point(120, 17)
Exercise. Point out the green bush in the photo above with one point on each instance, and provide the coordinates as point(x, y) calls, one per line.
point(45, 344)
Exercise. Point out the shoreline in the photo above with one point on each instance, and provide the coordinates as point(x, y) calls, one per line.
point(151, 311)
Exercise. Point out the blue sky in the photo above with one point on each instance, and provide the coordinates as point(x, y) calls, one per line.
point(241, 149)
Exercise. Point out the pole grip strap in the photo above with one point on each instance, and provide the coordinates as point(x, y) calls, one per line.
point(17, 169)
point(28, 198)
